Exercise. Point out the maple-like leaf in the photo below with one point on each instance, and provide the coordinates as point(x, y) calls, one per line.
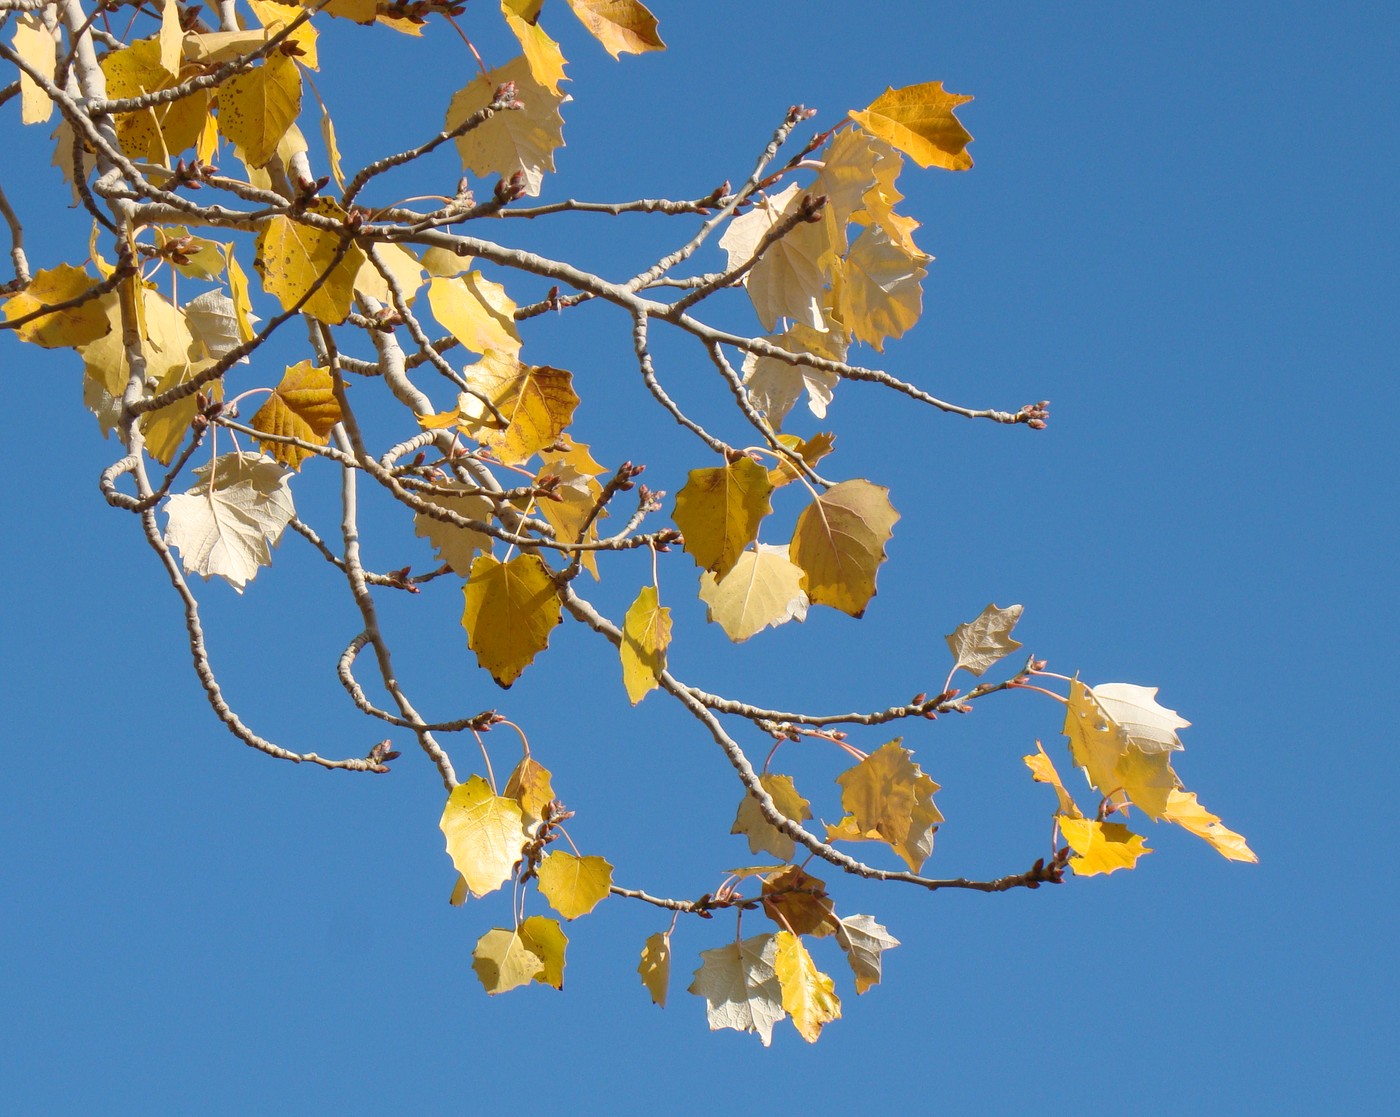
point(719, 510)
point(919, 120)
point(622, 26)
point(888, 795)
point(1114, 764)
point(763, 590)
point(227, 523)
point(1148, 724)
point(574, 885)
point(503, 961)
point(511, 608)
point(1101, 847)
point(259, 105)
point(302, 406)
point(864, 941)
point(840, 541)
point(1183, 809)
point(740, 987)
point(35, 44)
point(522, 139)
point(456, 546)
point(655, 966)
point(529, 785)
point(646, 632)
point(797, 901)
point(810, 450)
point(159, 133)
point(536, 402)
point(543, 54)
point(763, 836)
point(292, 257)
point(979, 643)
point(775, 385)
point(791, 276)
point(880, 293)
point(485, 834)
point(76, 326)
point(476, 311)
point(1043, 771)
point(809, 996)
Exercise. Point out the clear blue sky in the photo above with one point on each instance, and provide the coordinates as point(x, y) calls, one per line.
point(1181, 229)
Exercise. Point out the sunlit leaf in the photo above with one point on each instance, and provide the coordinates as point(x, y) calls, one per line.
point(259, 105)
point(456, 546)
point(1101, 847)
point(864, 941)
point(622, 26)
point(889, 796)
point(762, 835)
point(719, 510)
point(1183, 809)
point(646, 632)
point(292, 258)
point(485, 834)
point(979, 643)
point(80, 325)
point(809, 995)
point(511, 608)
point(655, 966)
point(840, 541)
point(522, 139)
point(763, 590)
point(797, 901)
point(740, 987)
point(302, 406)
point(574, 885)
point(35, 44)
point(919, 120)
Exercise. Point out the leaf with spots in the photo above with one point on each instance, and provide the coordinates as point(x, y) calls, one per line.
point(295, 258)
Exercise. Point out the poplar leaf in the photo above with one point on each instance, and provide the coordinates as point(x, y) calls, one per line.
point(646, 632)
point(213, 321)
point(203, 258)
point(1101, 847)
point(274, 16)
point(810, 450)
point(880, 292)
point(456, 546)
point(171, 37)
point(302, 406)
point(762, 835)
point(238, 292)
point(1043, 771)
point(655, 966)
point(332, 146)
point(919, 120)
point(503, 962)
point(719, 510)
point(790, 278)
point(979, 643)
point(536, 402)
point(740, 987)
point(36, 45)
point(1148, 724)
point(887, 795)
point(847, 174)
point(793, 899)
point(476, 311)
point(159, 133)
point(621, 26)
point(864, 941)
point(514, 140)
point(529, 785)
point(292, 257)
point(775, 385)
point(574, 885)
point(401, 264)
point(546, 939)
point(1115, 764)
point(763, 590)
point(576, 495)
point(543, 54)
point(76, 326)
point(840, 541)
point(226, 524)
point(1183, 809)
point(511, 608)
point(459, 892)
point(485, 835)
point(809, 995)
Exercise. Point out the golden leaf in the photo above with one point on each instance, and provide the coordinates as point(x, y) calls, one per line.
point(521, 139)
point(887, 794)
point(511, 608)
point(810, 450)
point(543, 53)
point(574, 885)
point(1102, 847)
point(274, 16)
point(476, 311)
point(35, 44)
point(485, 835)
point(809, 995)
point(302, 406)
point(646, 632)
point(293, 256)
point(622, 26)
point(575, 496)
point(655, 966)
point(503, 961)
point(763, 590)
point(76, 326)
point(919, 120)
point(719, 510)
point(1043, 771)
point(159, 133)
point(763, 836)
point(537, 403)
point(401, 264)
point(456, 546)
point(840, 541)
point(529, 785)
point(1183, 809)
point(546, 939)
point(1116, 765)
point(879, 294)
point(794, 900)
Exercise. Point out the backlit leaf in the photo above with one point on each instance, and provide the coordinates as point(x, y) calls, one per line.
point(840, 541)
point(503, 961)
point(213, 321)
point(740, 987)
point(522, 139)
point(762, 591)
point(475, 311)
point(810, 450)
point(511, 608)
point(864, 941)
point(719, 510)
point(1116, 765)
point(888, 795)
point(259, 105)
point(401, 264)
point(1183, 809)
point(790, 278)
point(809, 995)
point(797, 901)
point(456, 546)
point(919, 120)
point(536, 402)
point(302, 406)
point(1148, 724)
point(574, 885)
point(530, 786)
point(622, 26)
point(575, 497)
point(159, 133)
point(80, 325)
point(485, 834)
point(543, 53)
point(655, 966)
point(880, 292)
point(292, 257)
point(775, 385)
point(1101, 847)
point(763, 836)
point(979, 643)
point(546, 939)
point(1043, 771)
point(646, 632)
point(36, 45)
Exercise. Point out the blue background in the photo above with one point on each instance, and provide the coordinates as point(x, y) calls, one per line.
point(1181, 229)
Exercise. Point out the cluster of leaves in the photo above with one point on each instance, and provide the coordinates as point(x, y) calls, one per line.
point(496, 478)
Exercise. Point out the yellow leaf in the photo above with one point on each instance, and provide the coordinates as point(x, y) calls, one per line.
point(575, 497)
point(203, 259)
point(166, 339)
point(445, 262)
point(763, 590)
point(622, 26)
point(171, 37)
point(459, 892)
point(790, 278)
point(302, 406)
point(456, 546)
point(511, 608)
point(1102, 847)
point(1183, 809)
point(159, 133)
point(536, 402)
point(810, 450)
point(546, 939)
point(655, 966)
point(485, 835)
point(794, 900)
point(400, 263)
point(864, 941)
point(919, 120)
point(1043, 771)
point(719, 510)
point(332, 148)
point(292, 257)
point(227, 522)
point(979, 643)
point(358, 11)
point(887, 794)
point(775, 385)
point(1116, 765)
point(275, 16)
point(529, 785)
point(257, 107)
point(646, 631)
point(763, 836)
point(475, 311)
point(521, 139)
point(503, 961)
point(238, 292)
point(848, 173)
point(36, 45)
point(809, 995)
point(740, 988)
point(543, 53)
point(840, 541)
point(879, 295)
point(76, 326)
point(573, 885)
